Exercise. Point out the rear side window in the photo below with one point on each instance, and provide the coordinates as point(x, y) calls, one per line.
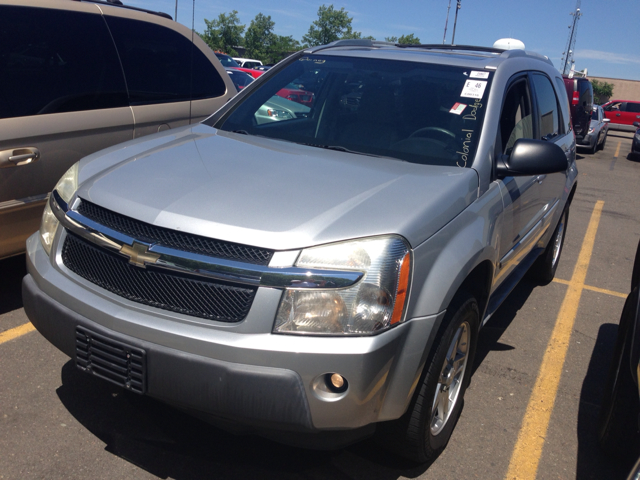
point(633, 107)
point(158, 64)
point(53, 61)
point(585, 91)
point(547, 107)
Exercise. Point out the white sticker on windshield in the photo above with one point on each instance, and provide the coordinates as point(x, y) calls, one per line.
point(475, 74)
point(473, 89)
point(458, 108)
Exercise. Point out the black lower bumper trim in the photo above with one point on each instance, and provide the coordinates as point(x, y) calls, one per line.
point(261, 397)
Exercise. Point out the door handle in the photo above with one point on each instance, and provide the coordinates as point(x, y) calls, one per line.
point(617, 114)
point(540, 178)
point(16, 157)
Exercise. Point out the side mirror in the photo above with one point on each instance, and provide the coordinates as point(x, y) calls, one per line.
point(532, 157)
point(636, 124)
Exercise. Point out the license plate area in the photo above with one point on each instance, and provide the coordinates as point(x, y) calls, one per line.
point(111, 360)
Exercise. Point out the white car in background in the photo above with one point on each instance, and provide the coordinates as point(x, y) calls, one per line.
point(247, 62)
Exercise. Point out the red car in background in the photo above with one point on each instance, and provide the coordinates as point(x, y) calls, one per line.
point(228, 62)
point(622, 114)
point(295, 94)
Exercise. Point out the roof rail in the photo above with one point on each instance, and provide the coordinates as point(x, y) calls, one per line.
point(342, 43)
point(452, 47)
point(118, 3)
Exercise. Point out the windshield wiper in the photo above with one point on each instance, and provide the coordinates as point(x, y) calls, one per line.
point(339, 148)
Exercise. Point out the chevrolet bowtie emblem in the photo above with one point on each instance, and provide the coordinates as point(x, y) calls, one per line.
point(139, 254)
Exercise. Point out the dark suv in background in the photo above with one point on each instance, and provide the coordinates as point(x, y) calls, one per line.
point(580, 93)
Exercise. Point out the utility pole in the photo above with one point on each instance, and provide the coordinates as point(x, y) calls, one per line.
point(446, 22)
point(176, 16)
point(567, 55)
point(455, 22)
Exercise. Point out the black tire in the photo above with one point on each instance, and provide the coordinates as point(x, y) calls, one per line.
point(618, 423)
point(544, 268)
point(419, 435)
point(593, 149)
point(603, 142)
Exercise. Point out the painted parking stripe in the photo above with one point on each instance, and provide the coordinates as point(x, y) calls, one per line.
point(16, 332)
point(617, 150)
point(528, 449)
point(594, 289)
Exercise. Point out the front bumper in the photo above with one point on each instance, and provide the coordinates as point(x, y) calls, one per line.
point(239, 372)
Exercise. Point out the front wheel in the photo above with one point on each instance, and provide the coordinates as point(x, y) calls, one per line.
point(423, 432)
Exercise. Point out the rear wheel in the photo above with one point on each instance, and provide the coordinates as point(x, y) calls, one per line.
point(544, 268)
point(423, 432)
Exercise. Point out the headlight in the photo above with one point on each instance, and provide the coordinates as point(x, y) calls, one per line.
point(68, 184)
point(590, 131)
point(374, 304)
point(48, 228)
point(279, 114)
point(65, 187)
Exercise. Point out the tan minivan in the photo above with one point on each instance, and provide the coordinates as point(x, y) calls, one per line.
point(77, 77)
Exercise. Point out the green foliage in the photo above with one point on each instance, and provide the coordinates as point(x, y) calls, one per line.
point(282, 48)
point(410, 39)
point(331, 25)
point(260, 39)
point(602, 91)
point(224, 33)
point(391, 39)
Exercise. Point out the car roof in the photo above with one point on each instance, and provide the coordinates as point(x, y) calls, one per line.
point(460, 55)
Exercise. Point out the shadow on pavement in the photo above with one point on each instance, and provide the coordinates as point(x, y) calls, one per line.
point(592, 463)
point(171, 444)
point(12, 270)
point(500, 321)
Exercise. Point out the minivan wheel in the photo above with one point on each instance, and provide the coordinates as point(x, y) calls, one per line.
point(423, 432)
point(544, 268)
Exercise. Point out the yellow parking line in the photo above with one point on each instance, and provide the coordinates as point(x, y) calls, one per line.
point(528, 449)
point(594, 289)
point(617, 150)
point(16, 332)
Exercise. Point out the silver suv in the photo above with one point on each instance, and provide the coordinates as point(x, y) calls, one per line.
point(77, 77)
point(326, 271)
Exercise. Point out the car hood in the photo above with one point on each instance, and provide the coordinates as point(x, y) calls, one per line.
point(269, 193)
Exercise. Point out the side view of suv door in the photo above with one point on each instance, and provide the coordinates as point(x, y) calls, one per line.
point(77, 77)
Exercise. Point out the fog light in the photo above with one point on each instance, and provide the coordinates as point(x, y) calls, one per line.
point(336, 382)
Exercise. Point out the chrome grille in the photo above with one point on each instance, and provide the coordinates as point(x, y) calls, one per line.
point(169, 291)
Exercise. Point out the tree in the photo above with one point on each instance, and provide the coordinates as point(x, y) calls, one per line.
point(282, 48)
point(260, 39)
point(410, 39)
point(602, 91)
point(224, 33)
point(391, 39)
point(331, 25)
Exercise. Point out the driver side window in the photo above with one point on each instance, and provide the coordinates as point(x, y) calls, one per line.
point(516, 120)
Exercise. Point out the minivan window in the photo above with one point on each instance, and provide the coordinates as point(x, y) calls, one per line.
point(417, 112)
point(44, 69)
point(158, 64)
point(547, 107)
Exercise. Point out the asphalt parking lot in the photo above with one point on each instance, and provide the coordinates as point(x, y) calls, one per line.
point(552, 342)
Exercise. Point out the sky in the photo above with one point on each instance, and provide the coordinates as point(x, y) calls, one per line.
point(606, 42)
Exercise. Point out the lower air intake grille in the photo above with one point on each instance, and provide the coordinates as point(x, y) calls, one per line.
point(189, 296)
point(113, 361)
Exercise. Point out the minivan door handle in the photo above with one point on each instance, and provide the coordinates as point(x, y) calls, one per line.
point(540, 178)
point(16, 157)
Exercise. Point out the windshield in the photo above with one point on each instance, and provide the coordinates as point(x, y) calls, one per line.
point(417, 112)
point(227, 61)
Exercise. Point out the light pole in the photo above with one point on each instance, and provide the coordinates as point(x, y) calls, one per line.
point(446, 22)
point(455, 22)
point(176, 16)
